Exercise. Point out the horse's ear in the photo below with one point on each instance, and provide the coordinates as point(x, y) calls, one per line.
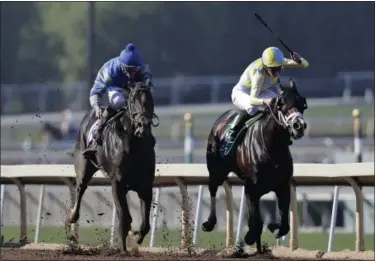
point(148, 83)
point(279, 87)
point(292, 83)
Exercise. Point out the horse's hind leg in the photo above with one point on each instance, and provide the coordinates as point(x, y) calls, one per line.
point(84, 172)
point(119, 192)
point(217, 175)
point(215, 180)
point(283, 201)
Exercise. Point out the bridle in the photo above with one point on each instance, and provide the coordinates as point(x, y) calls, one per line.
point(135, 116)
point(283, 120)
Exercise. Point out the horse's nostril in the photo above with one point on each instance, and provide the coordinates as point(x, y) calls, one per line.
point(296, 125)
point(304, 125)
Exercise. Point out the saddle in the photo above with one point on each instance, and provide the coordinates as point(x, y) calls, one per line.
point(92, 146)
point(248, 122)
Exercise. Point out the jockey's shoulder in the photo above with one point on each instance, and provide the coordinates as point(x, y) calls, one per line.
point(112, 65)
point(255, 66)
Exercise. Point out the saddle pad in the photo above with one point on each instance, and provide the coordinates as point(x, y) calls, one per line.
point(242, 131)
point(92, 130)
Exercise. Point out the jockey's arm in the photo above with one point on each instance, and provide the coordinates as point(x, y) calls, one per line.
point(146, 74)
point(257, 82)
point(101, 84)
point(289, 63)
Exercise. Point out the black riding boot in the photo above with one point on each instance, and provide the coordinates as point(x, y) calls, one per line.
point(237, 123)
point(97, 139)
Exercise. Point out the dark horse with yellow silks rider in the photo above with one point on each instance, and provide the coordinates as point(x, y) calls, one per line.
point(260, 156)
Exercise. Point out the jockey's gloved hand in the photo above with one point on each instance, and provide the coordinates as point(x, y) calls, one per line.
point(267, 101)
point(296, 57)
point(98, 112)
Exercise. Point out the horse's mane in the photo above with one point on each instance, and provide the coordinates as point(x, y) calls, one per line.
point(115, 137)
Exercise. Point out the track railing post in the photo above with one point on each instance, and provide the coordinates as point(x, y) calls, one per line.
point(23, 210)
point(293, 240)
point(113, 225)
point(357, 135)
point(198, 215)
point(155, 217)
point(229, 201)
point(39, 215)
point(2, 195)
point(359, 243)
point(189, 156)
point(240, 216)
point(185, 235)
point(357, 149)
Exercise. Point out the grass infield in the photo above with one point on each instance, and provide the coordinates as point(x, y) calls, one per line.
point(166, 238)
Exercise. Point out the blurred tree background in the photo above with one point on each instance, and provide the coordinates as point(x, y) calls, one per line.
point(47, 41)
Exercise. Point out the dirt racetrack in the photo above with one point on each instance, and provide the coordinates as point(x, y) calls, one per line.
point(60, 252)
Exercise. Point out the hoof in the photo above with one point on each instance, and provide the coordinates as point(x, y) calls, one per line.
point(209, 225)
point(277, 230)
point(137, 237)
point(131, 242)
point(250, 238)
point(72, 240)
point(124, 253)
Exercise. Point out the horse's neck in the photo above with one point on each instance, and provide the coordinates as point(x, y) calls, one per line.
point(273, 133)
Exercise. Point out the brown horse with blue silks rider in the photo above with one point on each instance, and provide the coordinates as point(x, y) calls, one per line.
point(261, 158)
point(119, 142)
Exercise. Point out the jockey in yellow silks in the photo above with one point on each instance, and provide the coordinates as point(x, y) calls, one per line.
point(252, 90)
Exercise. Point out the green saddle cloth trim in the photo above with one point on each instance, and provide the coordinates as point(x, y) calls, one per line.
point(247, 125)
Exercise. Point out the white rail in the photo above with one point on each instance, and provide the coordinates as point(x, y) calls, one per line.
point(182, 175)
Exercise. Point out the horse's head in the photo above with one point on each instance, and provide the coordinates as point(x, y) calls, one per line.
point(290, 107)
point(141, 108)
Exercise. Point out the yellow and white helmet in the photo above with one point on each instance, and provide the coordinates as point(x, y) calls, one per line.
point(272, 57)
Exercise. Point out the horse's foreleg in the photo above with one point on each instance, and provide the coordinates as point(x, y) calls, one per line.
point(254, 222)
point(145, 196)
point(84, 172)
point(119, 197)
point(283, 201)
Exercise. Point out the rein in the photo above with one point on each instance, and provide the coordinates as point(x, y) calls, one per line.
point(283, 123)
point(137, 115)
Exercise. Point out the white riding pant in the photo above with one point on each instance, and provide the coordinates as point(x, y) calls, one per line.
point(116, 98)
point(241, 99)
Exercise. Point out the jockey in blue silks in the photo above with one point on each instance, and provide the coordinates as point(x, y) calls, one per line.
point(114, 76)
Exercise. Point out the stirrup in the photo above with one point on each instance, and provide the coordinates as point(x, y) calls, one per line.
point(229, 141)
